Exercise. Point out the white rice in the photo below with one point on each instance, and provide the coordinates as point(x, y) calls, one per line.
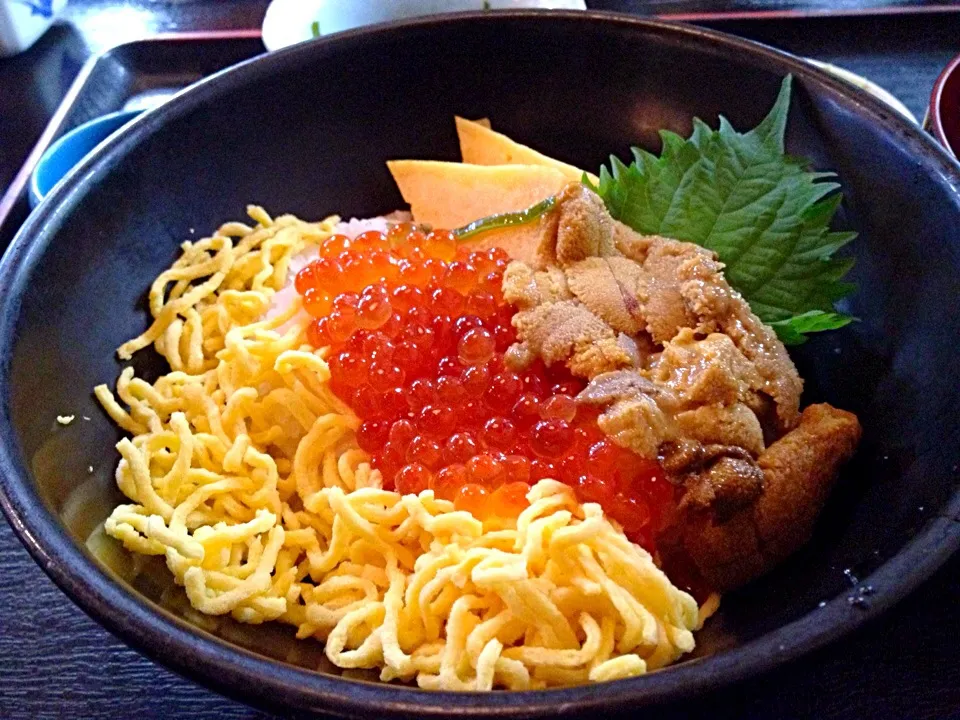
point(351, 228)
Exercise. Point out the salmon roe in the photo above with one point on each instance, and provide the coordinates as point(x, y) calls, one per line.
point(417, 329)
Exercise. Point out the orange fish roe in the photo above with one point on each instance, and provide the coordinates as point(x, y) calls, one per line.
point(417, 329)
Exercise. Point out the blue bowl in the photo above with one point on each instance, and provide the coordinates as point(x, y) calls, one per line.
point(71, 148)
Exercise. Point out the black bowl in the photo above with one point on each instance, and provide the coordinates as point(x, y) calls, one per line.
point(307, 130)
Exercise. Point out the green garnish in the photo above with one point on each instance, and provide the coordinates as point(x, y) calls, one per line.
point(792, 331)
point(315, 28)
point(503, 220)
point(763, 212)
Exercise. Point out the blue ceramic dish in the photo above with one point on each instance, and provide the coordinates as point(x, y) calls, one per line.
point(70, 149)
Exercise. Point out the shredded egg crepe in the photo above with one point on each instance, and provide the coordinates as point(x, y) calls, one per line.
point(243, 472)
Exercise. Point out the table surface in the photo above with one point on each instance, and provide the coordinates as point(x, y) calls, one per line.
point(55, 662)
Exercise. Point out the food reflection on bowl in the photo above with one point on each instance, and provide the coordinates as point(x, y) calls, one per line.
point(943, 114)
point(190, 166)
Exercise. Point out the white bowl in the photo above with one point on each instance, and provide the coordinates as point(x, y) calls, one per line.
point(288, 22)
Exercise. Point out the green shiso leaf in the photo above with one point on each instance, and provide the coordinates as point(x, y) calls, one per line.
point(764, 213)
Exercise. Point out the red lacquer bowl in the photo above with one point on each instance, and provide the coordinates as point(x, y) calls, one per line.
point(943, 117)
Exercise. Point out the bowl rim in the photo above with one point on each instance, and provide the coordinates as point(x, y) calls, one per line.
point(260, 680)
point(936, 100)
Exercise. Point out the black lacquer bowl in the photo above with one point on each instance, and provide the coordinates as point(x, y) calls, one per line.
point(307, 130)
